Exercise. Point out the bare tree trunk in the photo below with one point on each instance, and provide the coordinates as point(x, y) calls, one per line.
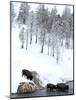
point(43, 40)
point(48, 44)
point(53, 51)
point(36, 39)
point(67, 42)
point(42, 49)
point(48, 50)
point(57, 55)
point(31, 38)
point(62, 42)
point(57, 59)
point(31, 35)
point(36, 35)
point(42, 46)
point(27, 40)
point(22, 46)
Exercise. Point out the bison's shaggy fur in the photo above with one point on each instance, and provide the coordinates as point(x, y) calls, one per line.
point(51, 87)
point(27, 73)
point(62, 87)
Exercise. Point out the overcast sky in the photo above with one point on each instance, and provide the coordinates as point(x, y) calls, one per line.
point(33, 7)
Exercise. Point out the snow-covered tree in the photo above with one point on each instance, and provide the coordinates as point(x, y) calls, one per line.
point(23, 20)
point(13, 13)
point(36, 34)
point(42, 19)
point(31, 22)
point(36, 24)
point(51, 21)
point(23, 13)
point(26, 39)
point(57, 30)
point(68, 22)
point(21, 37)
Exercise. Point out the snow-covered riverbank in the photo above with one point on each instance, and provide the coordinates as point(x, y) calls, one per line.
point(33, 60)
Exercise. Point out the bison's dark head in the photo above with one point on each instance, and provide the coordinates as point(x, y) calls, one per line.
point(27, 73)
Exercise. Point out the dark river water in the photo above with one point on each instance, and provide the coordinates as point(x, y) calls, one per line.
point(45, 93)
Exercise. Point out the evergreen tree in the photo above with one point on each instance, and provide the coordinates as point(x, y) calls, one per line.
point(13, 14)
point(23, 13)
point(68, 22)
point(57, 31)
point(31, 21)
point(36, 24)
point(51, 20)
point(26, 39)
point(21, 37)
point(42, 19)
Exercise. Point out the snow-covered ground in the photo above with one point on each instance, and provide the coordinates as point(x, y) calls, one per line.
point(33, 60)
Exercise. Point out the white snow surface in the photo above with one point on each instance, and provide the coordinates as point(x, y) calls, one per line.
point(33, 60)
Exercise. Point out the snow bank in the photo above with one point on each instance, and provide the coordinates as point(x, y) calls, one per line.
point(33, 60)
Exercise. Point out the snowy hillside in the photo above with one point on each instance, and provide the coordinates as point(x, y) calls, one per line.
point(33, 60)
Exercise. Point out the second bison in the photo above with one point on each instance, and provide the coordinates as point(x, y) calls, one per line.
point(51, 87)
point(62, 87)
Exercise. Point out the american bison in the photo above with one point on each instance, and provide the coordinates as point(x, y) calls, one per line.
point(51, 87)
point(27, 73)
point(62, 87)
point(25, 87)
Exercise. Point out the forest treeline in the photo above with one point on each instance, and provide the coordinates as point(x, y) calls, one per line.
point(47, 26)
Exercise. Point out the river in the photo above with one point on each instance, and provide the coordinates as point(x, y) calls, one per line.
point(45, 93)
